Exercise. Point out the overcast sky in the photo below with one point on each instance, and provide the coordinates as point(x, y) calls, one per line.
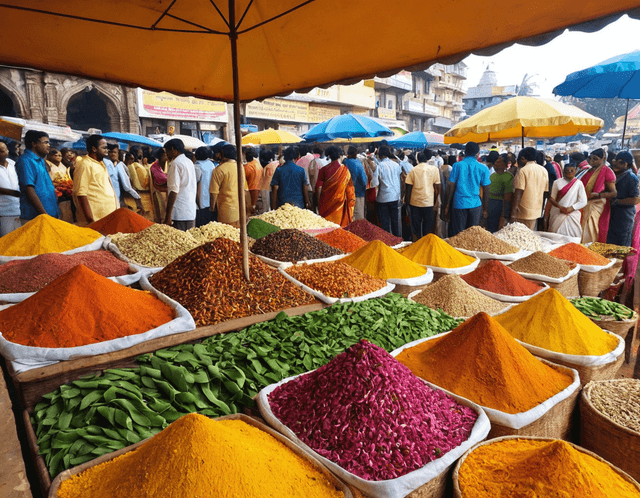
point(569, 52)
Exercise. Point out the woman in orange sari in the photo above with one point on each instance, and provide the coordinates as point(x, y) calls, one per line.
point(334, 190)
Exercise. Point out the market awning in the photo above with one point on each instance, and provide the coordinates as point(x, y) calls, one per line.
point(183, 46)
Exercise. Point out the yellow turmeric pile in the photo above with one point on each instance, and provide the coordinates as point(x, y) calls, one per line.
point(199, 457)
point(551, 322)
point(45, 234)
point(480, 361)
point(530, 467)
point(380, 261)
point(431, 250)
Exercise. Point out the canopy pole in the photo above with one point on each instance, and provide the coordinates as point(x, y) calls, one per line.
point(523, 137)
point(233, 35)
point(624, 129)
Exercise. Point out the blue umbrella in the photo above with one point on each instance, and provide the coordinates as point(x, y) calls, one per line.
point(132, 137)
point(347, 126)
point(417, 140)
point(615, 77)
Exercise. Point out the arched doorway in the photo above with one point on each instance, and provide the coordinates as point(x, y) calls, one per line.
point(6, 105)
point(87, 109)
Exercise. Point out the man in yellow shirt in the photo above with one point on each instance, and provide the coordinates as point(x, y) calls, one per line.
point(224, 188)
point(93, 192)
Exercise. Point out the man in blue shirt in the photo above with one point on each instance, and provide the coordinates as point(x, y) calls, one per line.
point(387, 178)
point(120, 178)
point(463, 191)
point(359, 178)
point(37, 194)
point(290, 183)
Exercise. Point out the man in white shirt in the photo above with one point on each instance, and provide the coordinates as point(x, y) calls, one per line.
point(9, 193)
point(181, 187)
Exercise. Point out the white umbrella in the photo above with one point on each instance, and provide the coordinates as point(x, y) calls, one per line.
point(188, 141)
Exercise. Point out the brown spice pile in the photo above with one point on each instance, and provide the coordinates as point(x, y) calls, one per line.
point(619, 400)
point(456, 297)
point(209, 282)
point(478, 239)
point(336, 279)
point(541, 263)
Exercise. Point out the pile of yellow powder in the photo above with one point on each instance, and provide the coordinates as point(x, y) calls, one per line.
point(378, 260)
point(431, 250)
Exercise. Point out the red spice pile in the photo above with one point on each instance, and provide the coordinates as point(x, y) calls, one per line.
point(80, 308)
point(500, 279)
point(31, 275)
point(579, 254)
point(343, 240)
point(122, 220)
point(368, 232)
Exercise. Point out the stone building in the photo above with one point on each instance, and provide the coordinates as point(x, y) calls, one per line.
point(63, 100)
point(487, 93)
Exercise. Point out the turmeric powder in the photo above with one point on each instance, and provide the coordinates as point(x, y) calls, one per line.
point(380, 261)
point(551, 322)
point(535, 467)
point(199, 457)
point(431, 250)
point(45, 234)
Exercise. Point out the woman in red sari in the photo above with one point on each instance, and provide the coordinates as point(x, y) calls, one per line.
point(334, 190)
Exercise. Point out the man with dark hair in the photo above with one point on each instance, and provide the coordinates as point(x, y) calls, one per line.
point(359, 179)
point(464, 207)
point(290, 183)
point(93, 192)
point(181, 187)
point(422, 189)
point(253, 172)
point(204, 170)
point(387, 178)
point(530, 185)
point(120, 178)
point(37, 194)
point(224, 187)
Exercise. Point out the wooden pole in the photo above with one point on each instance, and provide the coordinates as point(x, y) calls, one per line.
point(523, 137)
point(624, 129)
point(233, 35)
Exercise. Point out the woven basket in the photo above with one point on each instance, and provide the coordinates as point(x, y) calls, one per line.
point(592, 284)
point(557, 423)
point(568, 288)
point(619, 327)
point(601, 372)
point(457, 492)
point(613, 442)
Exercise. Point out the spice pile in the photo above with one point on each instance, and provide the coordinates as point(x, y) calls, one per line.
point(379, 260)
point(478, 239)
point(122, 220)
point(214, 230)
point(45, 234)
point(521, 236)
point(31, 275)
point(257, 228)
point(368, 413)
point(209, 282)
point(369, 232)
point(431, 250)
point(293, 245)
point(540, 263)
point(336, 279)
point(611, 250)
point(347, 242)
point(80, 308)
point(551, 322)
point(155, 246)
point(289, 216)
point(218, 376)
point(579, 254)
point(185, 460)
point(456, 297)
point(480, 361)
point(619, 400)
point(500, 279)
point(529, 467)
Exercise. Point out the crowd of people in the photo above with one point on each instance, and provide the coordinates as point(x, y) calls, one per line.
point(592, 196)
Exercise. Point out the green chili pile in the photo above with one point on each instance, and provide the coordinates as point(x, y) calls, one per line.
point(600, 309)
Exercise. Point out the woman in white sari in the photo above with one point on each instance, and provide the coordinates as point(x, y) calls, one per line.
point(568, 197)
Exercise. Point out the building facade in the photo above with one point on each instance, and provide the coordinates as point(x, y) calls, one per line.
point(63, 100)
point(487, 93)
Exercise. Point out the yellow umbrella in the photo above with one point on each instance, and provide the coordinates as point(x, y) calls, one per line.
point(521, 117)
point(270, 136)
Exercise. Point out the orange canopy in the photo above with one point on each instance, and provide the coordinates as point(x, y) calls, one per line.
point(182, 46)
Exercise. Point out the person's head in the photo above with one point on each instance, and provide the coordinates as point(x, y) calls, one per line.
point(576, 158)
point(333, 153)
point(451, 160)
point(352, 152)
point(400, 154)
point(228, 153)
point(428, 154)
point(114, 153)
point(266, 156)
point(501, 163)
point(250, 154)
point(202, 153)
point(161, 156)
point(512, 158)
point(622, 162)
point(570, 171)
point(596, 158)
point(54, 156)
point(14, 149)
point(174, 148)
point(493, 155)
point(540, 158)
point(412, 159)
point(422, 157)
point(38, 142)
point(317, 150)
point(129, 158)
point(97, 147)
point(527, 155)
point(215, 151)
point(67, 158)
point(4, 151)
point(137, 152)
point(291, 153)
point(557, 158)
point(471, 149)
point(384, 152)
point(303, 150)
